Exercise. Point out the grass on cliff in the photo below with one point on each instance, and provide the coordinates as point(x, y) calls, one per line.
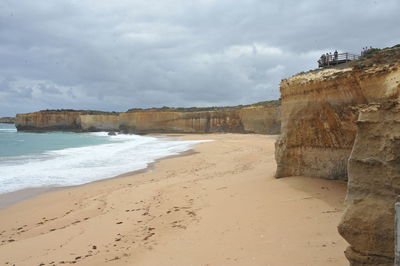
point(86, 112)
point(376, 56)
point(202, 109)
point(169, 109)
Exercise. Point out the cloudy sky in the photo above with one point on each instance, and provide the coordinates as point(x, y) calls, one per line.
point(119, 54)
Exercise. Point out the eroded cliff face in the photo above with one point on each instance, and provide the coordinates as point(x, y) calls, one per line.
point(252, 119)
point(318, 114)
point(339, 123)
point(373, 186)
point(99, 122)
point(49, 120)
point(179, 122)
point(266, 120)
point(262, 120)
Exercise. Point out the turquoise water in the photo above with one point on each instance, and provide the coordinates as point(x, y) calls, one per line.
point(13, 143)
point(65, 159)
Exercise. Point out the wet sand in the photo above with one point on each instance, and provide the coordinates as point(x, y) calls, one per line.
point(219, 205)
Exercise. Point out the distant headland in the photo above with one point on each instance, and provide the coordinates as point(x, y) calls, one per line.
point(262, 118)
point(7, 120)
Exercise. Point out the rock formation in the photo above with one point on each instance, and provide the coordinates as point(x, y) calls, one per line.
point(49, 120)
point(373, 186)
point(99, 122)
point(331, 113)
point(7, 120)
point(319, 110)
point(259, 118)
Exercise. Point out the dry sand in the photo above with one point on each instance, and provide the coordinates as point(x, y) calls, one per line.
point(219, 205)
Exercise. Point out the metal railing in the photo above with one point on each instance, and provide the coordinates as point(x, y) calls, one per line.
point(335, 59)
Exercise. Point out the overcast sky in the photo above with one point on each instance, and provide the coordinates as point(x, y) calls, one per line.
point(120, 54)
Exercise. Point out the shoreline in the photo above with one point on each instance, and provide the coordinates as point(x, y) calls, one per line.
point(10, 198)
point(222, 196)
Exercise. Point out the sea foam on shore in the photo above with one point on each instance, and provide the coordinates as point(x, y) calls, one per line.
point(86, 163)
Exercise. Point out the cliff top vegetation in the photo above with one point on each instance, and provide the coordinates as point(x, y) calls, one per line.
point(86, 112)
point(167, 109)
point(203, 109)
point(376, 56)
point(370, 58)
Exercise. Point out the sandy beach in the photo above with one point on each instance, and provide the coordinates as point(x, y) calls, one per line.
point(217, 205)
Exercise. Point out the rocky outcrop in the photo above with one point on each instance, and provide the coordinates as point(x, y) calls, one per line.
point(319, 110)
point(261, 118)
point(373, 186)
point(7, 120)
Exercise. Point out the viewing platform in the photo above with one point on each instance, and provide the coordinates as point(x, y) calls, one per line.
point(327, 60)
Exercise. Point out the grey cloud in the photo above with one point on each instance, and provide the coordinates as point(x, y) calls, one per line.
point(115, 55)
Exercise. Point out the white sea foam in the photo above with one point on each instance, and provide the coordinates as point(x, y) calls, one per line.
point(8, 129)
point(75, 166)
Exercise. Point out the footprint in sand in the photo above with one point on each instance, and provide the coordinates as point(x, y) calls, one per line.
point(148, 236)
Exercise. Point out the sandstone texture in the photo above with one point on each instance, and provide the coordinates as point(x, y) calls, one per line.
point(261, 119)
point(373, 186)
point(105, 122)
point(341, 123)
point(49, 120)
point(318, 114)
point(7, 120)
point(180, 122)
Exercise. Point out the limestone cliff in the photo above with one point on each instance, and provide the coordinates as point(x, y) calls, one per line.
point(49, 120)
point(184, 122)
point(7, 120)
point(99, 122)
point(374, 184)
point(330, 114)
point(319, 110)
point(259, 118)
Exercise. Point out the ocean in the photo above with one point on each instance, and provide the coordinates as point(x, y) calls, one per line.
point(57, 159)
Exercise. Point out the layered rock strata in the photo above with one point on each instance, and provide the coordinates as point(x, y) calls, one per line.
point(49, 120)
point(319, 110)
point(99, 122)
point(250, 119)
point(263, 120)
point(373, 186)
point(7, 120)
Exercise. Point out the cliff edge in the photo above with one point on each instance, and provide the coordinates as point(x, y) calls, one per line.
point(345, 123)
point(319, 110)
